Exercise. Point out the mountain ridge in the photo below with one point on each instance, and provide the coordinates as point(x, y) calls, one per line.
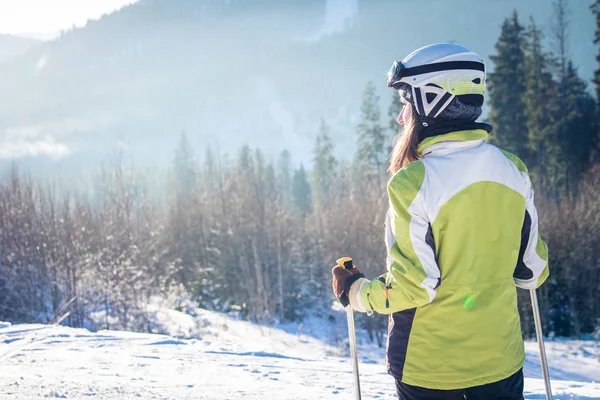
point(229, 72)
point(13, 46)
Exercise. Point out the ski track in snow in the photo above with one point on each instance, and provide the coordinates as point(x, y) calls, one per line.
point(232, 359)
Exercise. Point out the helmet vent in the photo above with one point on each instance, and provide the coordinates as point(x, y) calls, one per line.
point(431, 97)
point(471, 99)
point(476, 81)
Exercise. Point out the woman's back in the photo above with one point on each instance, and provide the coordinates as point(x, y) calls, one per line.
point(474, 197)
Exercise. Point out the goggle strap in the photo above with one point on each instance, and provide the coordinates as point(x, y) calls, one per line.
point(442, 66)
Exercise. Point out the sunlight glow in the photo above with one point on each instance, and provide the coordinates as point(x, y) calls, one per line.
point(42, 17)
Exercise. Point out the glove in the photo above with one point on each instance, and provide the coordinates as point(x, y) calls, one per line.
point(342, 280)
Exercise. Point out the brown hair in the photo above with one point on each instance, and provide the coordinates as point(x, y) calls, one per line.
point(405, 144)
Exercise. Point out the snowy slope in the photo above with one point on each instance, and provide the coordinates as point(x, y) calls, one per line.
point(228, 359)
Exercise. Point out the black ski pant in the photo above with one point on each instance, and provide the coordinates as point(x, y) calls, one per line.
point(510, 388)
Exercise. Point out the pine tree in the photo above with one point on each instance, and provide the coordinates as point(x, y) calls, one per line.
point(371, 135)
point(596, 11)
point(560, 38)
point(560, 61)
point(301, 191)
point(325, 164)
point(284, 177)
point(577, 130)
point(506, 89)
point(540, 108)
point(574, 113)
point(283, 224)
point(185, 168)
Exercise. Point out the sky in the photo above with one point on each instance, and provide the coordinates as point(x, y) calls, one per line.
point(45, 18)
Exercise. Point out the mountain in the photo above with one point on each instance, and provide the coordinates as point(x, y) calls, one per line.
point(14, 46)
point(230, 72)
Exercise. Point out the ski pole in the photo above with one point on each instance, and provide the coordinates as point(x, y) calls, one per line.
point(540, 338)
point(346, 262)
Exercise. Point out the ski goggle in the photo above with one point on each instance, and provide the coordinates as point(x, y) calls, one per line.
point(395, 74)
point(398, 71)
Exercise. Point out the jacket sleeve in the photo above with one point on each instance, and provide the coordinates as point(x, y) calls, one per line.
point(532, 265)
point(412, 276)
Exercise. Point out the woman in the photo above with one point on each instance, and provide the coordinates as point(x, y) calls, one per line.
point(461, 233)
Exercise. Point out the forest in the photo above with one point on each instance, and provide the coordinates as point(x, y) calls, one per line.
point(238, 232)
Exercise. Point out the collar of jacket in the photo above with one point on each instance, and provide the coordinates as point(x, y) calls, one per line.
point(458, 133)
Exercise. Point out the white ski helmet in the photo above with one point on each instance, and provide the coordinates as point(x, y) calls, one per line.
point(435, 75)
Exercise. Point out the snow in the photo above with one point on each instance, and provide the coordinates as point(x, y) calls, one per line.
point(208, 355)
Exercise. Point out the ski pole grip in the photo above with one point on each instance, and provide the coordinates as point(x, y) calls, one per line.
point(345, 262)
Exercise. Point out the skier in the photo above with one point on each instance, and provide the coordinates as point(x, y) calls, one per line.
point(461, 233)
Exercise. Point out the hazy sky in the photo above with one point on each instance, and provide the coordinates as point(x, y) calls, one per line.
point(40, 17)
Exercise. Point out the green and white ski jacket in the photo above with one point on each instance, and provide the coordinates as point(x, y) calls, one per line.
point(462, 234)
